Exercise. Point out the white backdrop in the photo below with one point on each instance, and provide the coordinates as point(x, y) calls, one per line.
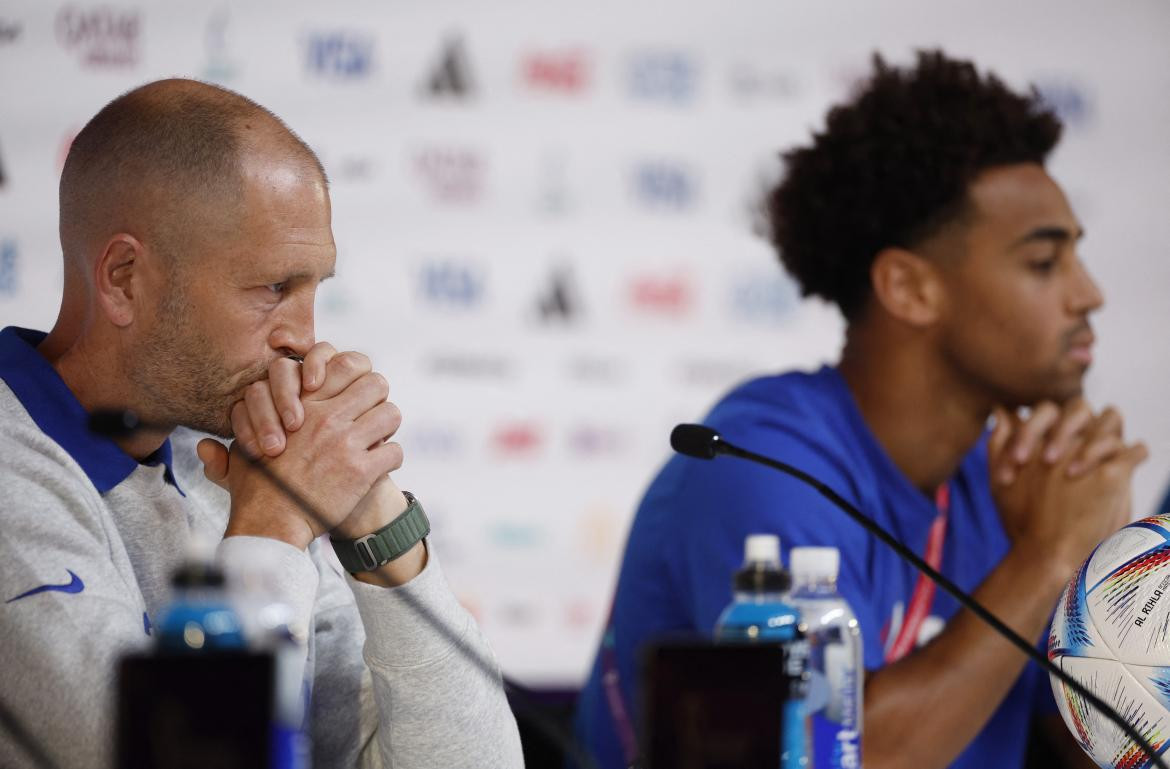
point(543, 214)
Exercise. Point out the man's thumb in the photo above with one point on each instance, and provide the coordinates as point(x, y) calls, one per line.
point(214, 456)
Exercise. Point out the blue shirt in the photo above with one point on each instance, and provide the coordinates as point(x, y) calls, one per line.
point(687, 540)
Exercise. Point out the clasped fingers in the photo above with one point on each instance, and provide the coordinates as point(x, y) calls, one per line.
point(1070, 433)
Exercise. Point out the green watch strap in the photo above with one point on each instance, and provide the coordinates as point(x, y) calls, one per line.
point(387, 543)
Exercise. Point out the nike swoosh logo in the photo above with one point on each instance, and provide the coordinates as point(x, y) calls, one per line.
point(74, 585)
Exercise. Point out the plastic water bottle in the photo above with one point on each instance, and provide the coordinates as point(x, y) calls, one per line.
point(205, 617)
point(761, 613)
point(835, 696)
point(199, 618)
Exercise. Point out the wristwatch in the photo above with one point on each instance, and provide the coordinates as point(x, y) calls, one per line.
point(387, 543)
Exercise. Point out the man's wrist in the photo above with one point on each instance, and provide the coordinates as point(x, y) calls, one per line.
point(389, 543)
point(381, 505)
point(1039, 567)
point(299, 536)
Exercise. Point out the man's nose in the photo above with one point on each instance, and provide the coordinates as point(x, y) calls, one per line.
point(1084, 295)
point(294, 334)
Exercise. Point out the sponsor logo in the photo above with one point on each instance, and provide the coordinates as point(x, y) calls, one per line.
point(581, 614)
point(8, 267)
point(464, 366)
point(74, 585)
point(596, 370)
point(665, 77)
point(565, 72)
point(598, 534)
point(762, 298)
point(590, 441)
point(520, 439)
point(515, 535)
point(349, 168)
point(334, 300)
point(101, 36)
point(661, 295)
point(433, 441)
point(339, 55)
point(751, 83)
point(558, 301)
point(450, 78)
point(452, 176)
point(664, 186)
point(451, 284)
point(1068, 99)
point(516, 614)
point(714, 373)
point(221, 65)
point(355, 168)
point(9, 31)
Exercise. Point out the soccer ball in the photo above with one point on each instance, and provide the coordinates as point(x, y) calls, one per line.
point(1111, 633)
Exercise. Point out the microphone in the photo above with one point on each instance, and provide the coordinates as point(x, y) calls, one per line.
point(117, 423)
point(698, 441)
point(701, 442)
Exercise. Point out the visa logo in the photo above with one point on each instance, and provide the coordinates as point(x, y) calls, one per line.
point(763, 298)
point(339, 55)
point(1068, 100)
point(8, 267)
point(666, 77)
point(664, 185)
point(451, 284)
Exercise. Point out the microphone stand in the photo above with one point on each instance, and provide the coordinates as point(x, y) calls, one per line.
point(701, 442)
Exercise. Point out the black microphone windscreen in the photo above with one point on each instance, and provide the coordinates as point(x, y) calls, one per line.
point(113, 423)
point(697, 441)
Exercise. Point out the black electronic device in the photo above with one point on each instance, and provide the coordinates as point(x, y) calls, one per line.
point(713, 706)
point(189, 711)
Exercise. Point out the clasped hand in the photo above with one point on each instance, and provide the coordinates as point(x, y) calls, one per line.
point(1061, 479)
point(323, 427)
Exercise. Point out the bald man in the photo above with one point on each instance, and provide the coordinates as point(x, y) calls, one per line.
point(195, 228)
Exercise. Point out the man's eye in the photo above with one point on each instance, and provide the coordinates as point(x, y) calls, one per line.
point(276, 288)
point(1042, 266)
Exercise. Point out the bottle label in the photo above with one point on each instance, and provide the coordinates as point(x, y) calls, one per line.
point(841, 746)
point(835, 738)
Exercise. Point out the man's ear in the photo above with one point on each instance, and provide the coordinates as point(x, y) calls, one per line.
point(118, 279)
point(907, 286)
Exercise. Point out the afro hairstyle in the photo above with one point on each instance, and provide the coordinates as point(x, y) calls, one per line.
point(893, 166)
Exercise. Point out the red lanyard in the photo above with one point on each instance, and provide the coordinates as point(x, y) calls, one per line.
point(923, 598)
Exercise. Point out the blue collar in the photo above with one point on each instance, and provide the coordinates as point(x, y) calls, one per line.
point(54, 408)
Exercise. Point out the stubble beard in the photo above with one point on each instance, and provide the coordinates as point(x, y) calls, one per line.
point(183, 376)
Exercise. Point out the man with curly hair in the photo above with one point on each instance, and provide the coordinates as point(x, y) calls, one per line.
point(924, 211)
